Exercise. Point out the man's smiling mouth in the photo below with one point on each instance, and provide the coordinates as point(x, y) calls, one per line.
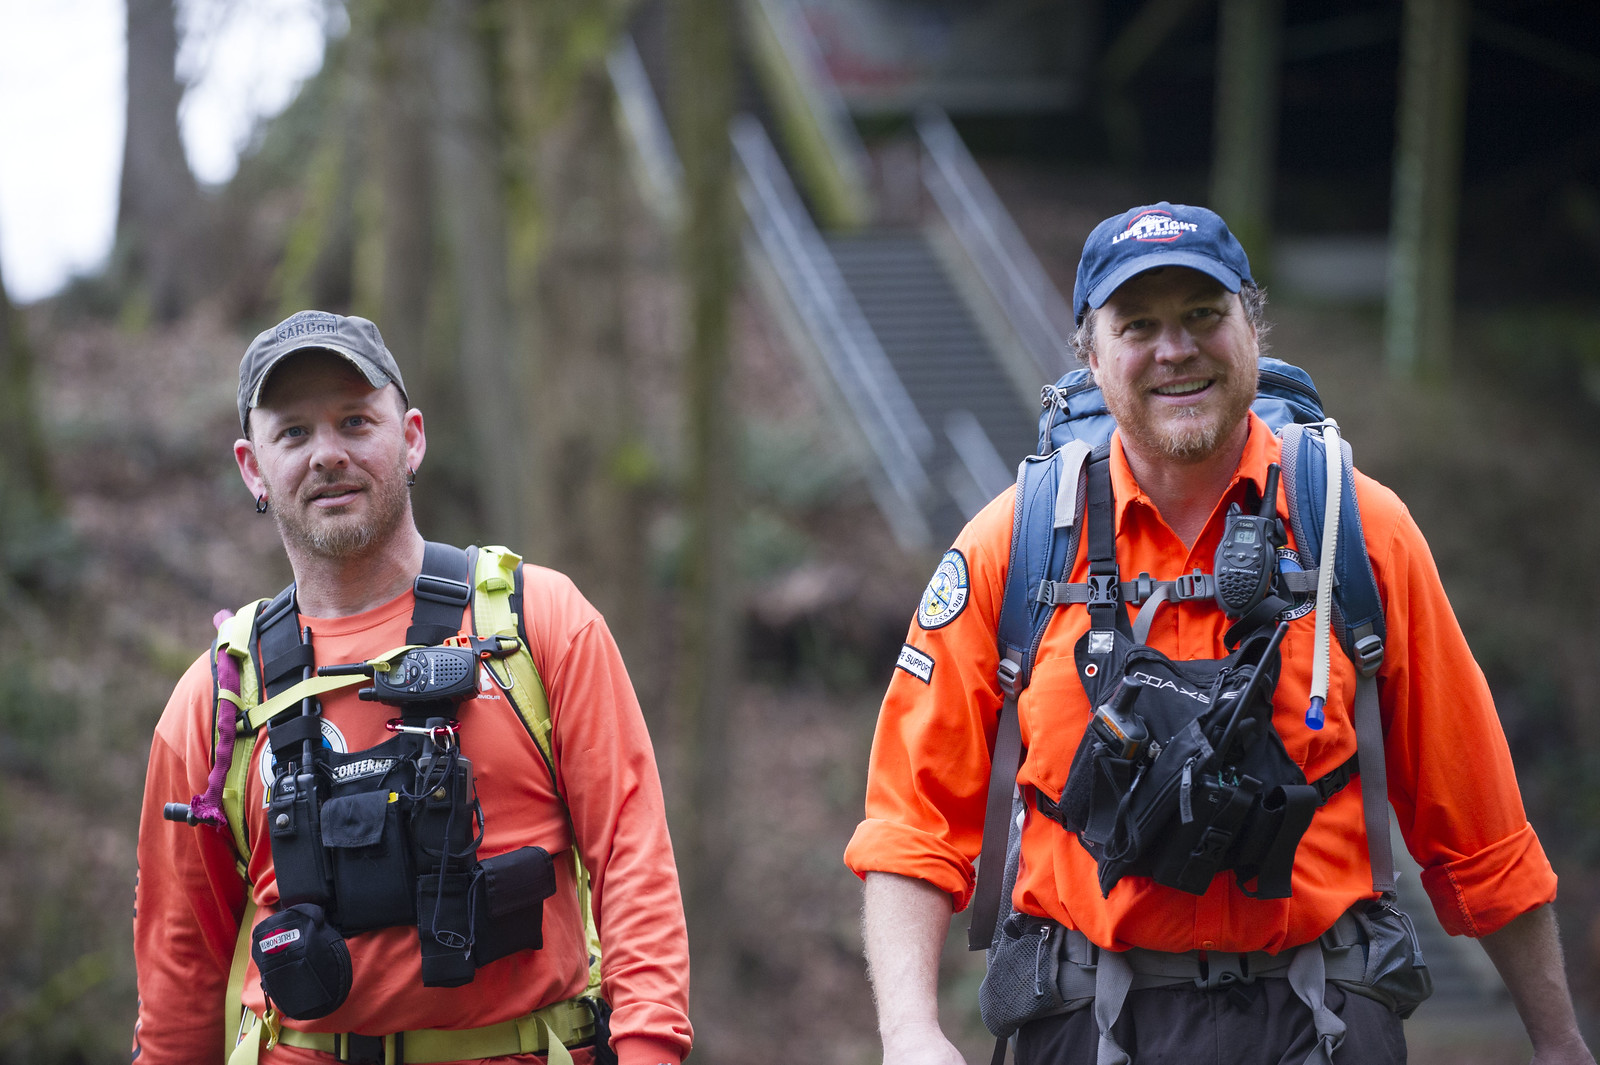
point(1183, 389)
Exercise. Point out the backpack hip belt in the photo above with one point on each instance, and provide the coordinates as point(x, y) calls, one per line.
point(550, 1031)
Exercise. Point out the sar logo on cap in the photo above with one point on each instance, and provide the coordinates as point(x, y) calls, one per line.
point(946, 594)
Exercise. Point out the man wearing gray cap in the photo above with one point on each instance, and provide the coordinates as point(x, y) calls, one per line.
point(1197, 881)
point(392, 851)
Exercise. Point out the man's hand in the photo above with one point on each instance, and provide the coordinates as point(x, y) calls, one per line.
point(904, 923)
point(1528, 954)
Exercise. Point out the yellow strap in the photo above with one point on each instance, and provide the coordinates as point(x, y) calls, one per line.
point(545, 1031)
point(233, 1016)
point(305, 689)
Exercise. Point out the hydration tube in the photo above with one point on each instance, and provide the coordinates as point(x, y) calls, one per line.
point(1330, 543)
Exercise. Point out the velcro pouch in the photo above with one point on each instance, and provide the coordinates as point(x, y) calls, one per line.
point(303, 961)
point(508, 911)
point(372, 871)
point(444, 918)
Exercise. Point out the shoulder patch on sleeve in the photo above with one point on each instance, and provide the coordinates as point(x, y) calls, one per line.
point(916, 663)
point(946, 594)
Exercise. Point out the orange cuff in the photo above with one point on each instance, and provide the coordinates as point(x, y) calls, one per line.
point(889, 847)
point(1483, 892)
point(643, 1050)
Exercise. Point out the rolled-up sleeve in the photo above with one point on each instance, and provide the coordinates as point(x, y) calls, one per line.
point(1451, 779)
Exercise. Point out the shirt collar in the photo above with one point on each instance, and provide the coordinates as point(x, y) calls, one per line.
point(1261, 448)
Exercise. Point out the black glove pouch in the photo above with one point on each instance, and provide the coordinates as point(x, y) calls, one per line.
point(303, 961)
point(364, 830)
point(508, 903)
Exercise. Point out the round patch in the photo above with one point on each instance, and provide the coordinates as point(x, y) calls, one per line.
point(332, 739)
point(946, 594)
point(1289, 562)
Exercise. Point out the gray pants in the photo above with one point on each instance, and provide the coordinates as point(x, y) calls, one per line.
point(1263, 1023)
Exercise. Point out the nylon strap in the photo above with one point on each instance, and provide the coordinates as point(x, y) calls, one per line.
point(548, 1031)
point(1003, 766)
point(1374, 783)
point(288, 698)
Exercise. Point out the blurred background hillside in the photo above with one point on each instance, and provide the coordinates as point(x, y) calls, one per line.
point(734, 310)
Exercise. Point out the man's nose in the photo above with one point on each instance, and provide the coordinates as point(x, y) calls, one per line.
point(328, 451)
point(1175, 344)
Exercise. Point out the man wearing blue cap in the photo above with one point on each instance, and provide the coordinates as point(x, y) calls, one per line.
point(1153, 964)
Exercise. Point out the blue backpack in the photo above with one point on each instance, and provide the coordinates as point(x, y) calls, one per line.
point(1050, 505)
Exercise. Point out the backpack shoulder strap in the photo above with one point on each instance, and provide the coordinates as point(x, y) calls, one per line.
point(1357, 619)
point(1045, 532)
point(497, 590)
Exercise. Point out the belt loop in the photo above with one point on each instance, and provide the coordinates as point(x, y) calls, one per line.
point(528, 1034)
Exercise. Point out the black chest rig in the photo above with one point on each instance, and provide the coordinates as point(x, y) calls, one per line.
point(1181, 773)
point(387, 836)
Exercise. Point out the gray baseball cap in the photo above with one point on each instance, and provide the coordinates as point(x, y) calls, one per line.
point(354, 339)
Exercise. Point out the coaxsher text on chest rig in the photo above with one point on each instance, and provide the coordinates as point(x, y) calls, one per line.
point(387, 836)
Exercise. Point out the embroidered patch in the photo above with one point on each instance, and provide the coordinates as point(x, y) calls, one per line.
point(1305, 603)
point(332, 739)
point(946, 594)
point(916, 663)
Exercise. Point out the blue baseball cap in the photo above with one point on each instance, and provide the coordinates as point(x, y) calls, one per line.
point(1145, 238)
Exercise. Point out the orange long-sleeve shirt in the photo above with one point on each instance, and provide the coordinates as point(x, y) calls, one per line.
point(1451, 780)
point(190, 895)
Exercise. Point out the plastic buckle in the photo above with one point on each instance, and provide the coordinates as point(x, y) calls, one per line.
point(1143, 589)
point(1369, 654)
point(1196, 585)
point(1223, 970)
point(1010, 672)
point(442, 590)
point(1103, 590)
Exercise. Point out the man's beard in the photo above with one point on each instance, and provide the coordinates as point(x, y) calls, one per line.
point(344, 536)
point(1187, 434)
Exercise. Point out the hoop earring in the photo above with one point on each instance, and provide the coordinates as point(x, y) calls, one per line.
point(261, 504)
point(411, 477)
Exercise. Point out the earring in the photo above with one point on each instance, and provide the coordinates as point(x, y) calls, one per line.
point(411, 477)
point(261, 504)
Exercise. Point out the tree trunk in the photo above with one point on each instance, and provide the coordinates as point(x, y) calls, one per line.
point(1427, 188)
point(1244, 151)
point(569, 267)
point(29, 509)
point(159, 207)
point(703, 90)
point(472, 193)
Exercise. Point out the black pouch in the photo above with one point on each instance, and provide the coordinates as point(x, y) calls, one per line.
point(444, 927)
point(1396, 974)
point(372, 873)
point(303, 961)
point(444, 820)
point(508, 903)
point(1020, 981)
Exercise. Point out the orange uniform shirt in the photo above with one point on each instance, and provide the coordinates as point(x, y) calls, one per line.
point(1451, 780)
point(190, 895)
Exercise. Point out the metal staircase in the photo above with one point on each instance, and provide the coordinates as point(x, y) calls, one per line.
point(980, 428)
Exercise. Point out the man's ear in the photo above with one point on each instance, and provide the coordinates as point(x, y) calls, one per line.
point(244, 454)
point(416, 438)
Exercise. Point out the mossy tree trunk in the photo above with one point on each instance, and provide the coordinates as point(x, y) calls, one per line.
point(703, 76)
point(160, 213)
point(1244, 146)
point(1427, 187)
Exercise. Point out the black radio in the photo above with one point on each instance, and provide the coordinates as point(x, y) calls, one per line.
point(1248, 553)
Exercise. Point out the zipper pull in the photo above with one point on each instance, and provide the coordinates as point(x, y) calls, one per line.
point(1185, 798)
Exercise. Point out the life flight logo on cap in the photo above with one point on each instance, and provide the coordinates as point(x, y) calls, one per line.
point(1155, 227)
